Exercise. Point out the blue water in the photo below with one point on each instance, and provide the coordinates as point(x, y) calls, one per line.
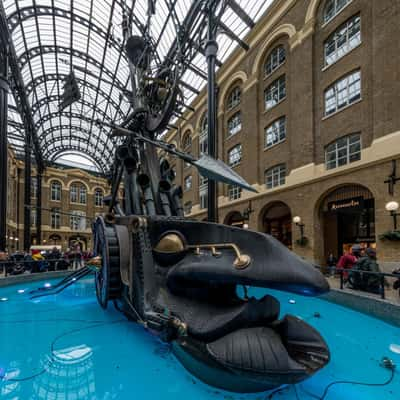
point(66, 347)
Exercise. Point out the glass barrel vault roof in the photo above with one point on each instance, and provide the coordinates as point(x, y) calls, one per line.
point(52, 36)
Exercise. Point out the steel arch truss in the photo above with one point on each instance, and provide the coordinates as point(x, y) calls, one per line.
point(53, 37)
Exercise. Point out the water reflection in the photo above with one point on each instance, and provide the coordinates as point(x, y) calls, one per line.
point(67, 374)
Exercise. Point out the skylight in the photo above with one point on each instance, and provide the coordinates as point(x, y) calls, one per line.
point(51, 37)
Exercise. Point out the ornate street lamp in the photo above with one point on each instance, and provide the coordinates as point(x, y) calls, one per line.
point(392, 207)
point(303, 240)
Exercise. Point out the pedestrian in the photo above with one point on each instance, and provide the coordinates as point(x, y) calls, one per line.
point(347, 261)
point(331, 263)
point(368, 282)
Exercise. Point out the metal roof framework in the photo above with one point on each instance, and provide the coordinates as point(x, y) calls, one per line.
point(51, 37)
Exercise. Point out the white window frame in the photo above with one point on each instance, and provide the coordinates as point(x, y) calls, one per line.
point(203, 196)
point(275, 92)
point(98, 197)
point(82, 194)
point(336, 11)
point(77, 220)
point(55, 218)
point(274, 60)
point(234, 192)
point(235, 124)
point(56, 191)
point(275, 176)
point(188, 182)
point(235, 155)
point(203, 136)
point(352, 39)
point(343, 153)
point(234, 98)
point(73, 193)
point(342, 89)
point(33, 217)
point(276, 130)
point(34, 187)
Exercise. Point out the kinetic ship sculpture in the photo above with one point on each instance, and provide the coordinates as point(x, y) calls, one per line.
point(179, 277)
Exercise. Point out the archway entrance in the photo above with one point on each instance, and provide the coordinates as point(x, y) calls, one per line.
point(235, 218)
point(348, 217)
point(55, 239)
point(277, 222)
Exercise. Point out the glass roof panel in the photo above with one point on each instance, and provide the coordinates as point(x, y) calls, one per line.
point(52, 37)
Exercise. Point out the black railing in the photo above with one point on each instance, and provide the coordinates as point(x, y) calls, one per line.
point(342, 272)
point(17, 267)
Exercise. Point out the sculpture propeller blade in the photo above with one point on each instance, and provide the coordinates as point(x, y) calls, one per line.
point(219, 171)
point(207, 166)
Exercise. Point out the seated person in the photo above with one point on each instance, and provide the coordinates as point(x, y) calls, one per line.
point(366, 282)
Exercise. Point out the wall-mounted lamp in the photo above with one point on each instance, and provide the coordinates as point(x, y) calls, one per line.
point(392, 207)
point(246, 213)
point(245, 226)
point(303, 240)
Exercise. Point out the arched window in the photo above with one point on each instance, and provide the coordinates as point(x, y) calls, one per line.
point(274, 60)
point(275, 133)
point(55, 191)
point(343, 92)
point(235, 124)
point(343, 40)
point(235, 155)
point(203, 139)
point(77, 193)
point(275, 92)
point(275, 176)
point(187, 142)
point(343, 151)
point(234, 98)
point(333, 8)
point(98, 198)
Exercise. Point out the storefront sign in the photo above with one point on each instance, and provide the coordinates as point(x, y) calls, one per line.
point(355, 202)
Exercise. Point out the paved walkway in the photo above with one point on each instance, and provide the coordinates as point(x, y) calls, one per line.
point(390, 294)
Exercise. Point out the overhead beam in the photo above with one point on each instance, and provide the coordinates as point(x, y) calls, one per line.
point(18, 87)
point(241, 13)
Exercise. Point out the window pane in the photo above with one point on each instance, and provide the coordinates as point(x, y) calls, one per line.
point(345, 150)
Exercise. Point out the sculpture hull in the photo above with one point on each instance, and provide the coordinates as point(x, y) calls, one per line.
point(179, 278)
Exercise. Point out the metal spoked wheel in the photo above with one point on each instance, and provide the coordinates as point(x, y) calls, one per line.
point(108, 278)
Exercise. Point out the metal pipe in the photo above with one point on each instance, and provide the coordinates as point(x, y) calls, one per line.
point(211, 50)
point(164, 188)
point(176, 196)
point(27, 193)
point(39, 208)
point(3, 146)
point(144, 182)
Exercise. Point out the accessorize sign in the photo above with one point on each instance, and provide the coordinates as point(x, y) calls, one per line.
point(354, 202)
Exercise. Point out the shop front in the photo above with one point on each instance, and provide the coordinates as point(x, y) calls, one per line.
point(348, 218)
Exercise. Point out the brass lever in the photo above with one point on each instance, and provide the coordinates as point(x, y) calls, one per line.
point(241, 261)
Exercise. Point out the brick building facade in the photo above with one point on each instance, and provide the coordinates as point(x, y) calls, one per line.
point(309, 116)
point(71, 198)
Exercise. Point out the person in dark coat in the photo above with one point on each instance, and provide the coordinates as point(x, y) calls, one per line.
point(367, 282)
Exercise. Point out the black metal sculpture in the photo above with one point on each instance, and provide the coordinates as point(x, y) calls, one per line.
point(178, 277)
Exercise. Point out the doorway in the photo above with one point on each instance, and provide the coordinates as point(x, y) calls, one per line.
point(348, 217)
point(277, 222)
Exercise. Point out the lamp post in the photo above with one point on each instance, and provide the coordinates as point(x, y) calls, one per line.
point(246, 215)
point(392, 207)
point(297, 222)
